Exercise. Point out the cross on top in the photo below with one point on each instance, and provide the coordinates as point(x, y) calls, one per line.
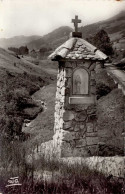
point(76, 21)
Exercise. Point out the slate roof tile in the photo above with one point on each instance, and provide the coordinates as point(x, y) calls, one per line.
point(77, 48)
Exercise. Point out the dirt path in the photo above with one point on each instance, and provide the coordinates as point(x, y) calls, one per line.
point(41, 128)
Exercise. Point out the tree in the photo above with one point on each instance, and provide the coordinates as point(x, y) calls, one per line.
point(102, 41)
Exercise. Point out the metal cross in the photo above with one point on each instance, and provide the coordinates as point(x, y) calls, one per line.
point(76, 21)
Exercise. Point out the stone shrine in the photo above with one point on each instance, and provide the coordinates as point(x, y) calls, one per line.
point(75, 125)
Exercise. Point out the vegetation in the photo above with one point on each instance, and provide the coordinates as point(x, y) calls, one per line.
point(63, 178)
point(102, 90)
point(23, 50)
point(102, 41)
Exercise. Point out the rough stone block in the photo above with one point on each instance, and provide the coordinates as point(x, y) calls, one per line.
point(68, 64)
point(63, 91)
point(85, 64)
point(92, 140)
point(62, 83)
point(68, 83)
point(90, 127)
point(93, 74)
point(66, 149)
point(67, 125)
point(80, 143)
point(68, 136)
point(81, 116)
point(93, 150)
point(74, 65)
point(80, 107)
point(67, 91)
point(93, 134)
point(80, 152)
point(92, 67)
point(91, 109)
point(92, 82)
point(82, 127)
point(68, 115)
point(78, 135)
point(68, 72)
point(104, 133)
point(77, 127)
point(93, 90)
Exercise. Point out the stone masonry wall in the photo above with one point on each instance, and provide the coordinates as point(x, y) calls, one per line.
point(75, 124)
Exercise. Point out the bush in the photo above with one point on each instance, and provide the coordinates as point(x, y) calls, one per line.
point(102, 41)
point(102, 90)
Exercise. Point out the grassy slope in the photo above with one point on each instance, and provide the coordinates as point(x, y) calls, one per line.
point(22, 77)
point(41, 128)
point(110, 110)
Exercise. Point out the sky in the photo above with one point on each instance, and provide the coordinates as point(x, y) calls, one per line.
point(39, 17)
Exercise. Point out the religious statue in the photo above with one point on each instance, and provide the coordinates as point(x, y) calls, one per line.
point(80, 82)
point(77, 83)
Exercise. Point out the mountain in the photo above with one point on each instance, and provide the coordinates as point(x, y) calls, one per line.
point(52, 39)
point(17, 41)
point(114, 26)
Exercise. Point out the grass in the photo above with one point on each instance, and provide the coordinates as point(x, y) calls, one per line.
point(19, 79)
point(65, 179)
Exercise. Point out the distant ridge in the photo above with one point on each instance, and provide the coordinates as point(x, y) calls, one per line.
point(17, 41)
point(52, 39)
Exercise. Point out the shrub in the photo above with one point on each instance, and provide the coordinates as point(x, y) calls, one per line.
point(102, 90)
point(102, 41)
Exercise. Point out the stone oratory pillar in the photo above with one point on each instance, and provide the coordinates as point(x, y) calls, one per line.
point(75, 125)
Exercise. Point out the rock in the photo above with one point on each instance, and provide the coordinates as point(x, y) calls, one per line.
point(68, 72)
point(92, 140)
point(91, 109)
point(63, 91)
point(92, 82)
point(89, 127)
point(68, 64)
point(77, 127)
point(82, 126)
point(68, 136)
point(80, 108)
point(94, 134)
point(81, 116)
point(92, 74)
point(67, 125)
point(92, 67)
point(68, 115)
point(80, 143)
point(93, 90)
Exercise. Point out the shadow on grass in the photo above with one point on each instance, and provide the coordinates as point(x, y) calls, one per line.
point(67, 178)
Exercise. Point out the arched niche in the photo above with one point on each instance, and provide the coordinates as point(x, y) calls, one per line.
point(80, 82)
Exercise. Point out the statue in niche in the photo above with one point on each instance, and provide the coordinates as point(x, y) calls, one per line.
point(80, 82)
point(77, 82)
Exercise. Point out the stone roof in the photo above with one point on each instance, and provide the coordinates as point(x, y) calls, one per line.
point(77, 48)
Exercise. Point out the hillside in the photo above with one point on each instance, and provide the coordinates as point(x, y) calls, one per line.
point(52, 40)
point(17, 41)
point(19, 79)
point(115, 27)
